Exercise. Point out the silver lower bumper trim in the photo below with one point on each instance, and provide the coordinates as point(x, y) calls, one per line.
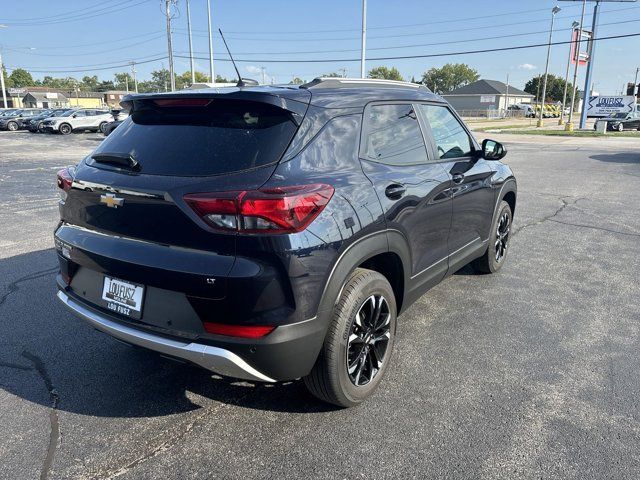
point(215, 359)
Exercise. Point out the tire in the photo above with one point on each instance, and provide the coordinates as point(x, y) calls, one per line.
point(351, 340)
point(65, 129)
point(101, 127)
point(496, 253)
point(12, 126)
point(620, 127)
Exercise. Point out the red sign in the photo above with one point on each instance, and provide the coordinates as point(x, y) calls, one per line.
point(585, 40)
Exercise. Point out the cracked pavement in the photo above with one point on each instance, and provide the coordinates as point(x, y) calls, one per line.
point(530, 373)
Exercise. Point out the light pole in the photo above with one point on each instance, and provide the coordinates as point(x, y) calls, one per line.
point(587, 79)
point(636, 90)
point(569, 126)
point(364, 38)
point(4, 92)
point(193, 72)
point(566, 77)
point(211, 75)
point(554, 10)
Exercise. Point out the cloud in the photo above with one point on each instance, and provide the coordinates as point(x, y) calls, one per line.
point(256, 74)
point(527, 66)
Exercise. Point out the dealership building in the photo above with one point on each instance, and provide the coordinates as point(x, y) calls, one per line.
point(486, 95)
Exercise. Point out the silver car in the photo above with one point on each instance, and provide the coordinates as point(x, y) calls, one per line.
point(79, 119)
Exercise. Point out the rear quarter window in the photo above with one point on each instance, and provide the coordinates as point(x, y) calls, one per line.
point(223, 137)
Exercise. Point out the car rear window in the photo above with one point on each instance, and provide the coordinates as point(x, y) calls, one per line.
point(221, 137)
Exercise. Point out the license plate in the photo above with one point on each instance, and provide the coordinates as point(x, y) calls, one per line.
point(123, 297)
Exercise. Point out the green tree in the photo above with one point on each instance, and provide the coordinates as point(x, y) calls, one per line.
point(385, 73)
point(8, 83)
point(21, 78)
point(89, 84)
point(332, 74)
point(66, 83)
point(122, 80)
point(449, 77)
point(555, 88)
point(296, 81)
point(219, 78)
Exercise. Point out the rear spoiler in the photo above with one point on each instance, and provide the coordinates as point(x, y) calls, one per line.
point(297, 108)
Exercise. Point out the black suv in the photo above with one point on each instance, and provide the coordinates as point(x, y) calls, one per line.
point(273, 233)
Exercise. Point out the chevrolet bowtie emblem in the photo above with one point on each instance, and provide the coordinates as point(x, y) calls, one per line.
point(111, 200)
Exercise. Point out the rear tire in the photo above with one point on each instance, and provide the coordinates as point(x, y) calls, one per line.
point(65, 129)
point(496, 253)
point(357, 349)
point(620, 127)
point(12, 126)
point(101, 127)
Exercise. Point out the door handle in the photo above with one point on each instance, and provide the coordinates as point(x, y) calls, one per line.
point(394, 191)
point(457, 178)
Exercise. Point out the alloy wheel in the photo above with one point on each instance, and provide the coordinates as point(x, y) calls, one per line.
point(12, 127)
point(502, 236)
point(368, 340)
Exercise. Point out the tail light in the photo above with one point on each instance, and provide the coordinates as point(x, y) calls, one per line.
point(243, 331)
point(64, 180)
point(270, 210)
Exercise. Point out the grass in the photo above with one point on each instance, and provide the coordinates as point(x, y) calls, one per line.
point(498, 127)
point(575, 133)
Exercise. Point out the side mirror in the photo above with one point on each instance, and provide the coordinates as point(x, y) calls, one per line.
point(492, 150)
point(74, 115)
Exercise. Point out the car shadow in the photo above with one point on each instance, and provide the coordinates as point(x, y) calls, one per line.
point(46, 351)
point(624, 157)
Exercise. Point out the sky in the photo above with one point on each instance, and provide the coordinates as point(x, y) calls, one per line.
point(91, 37)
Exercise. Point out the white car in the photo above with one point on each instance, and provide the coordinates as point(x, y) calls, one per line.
point(80, 119)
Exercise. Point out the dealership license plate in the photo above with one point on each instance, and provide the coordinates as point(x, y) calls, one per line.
point(123, 297)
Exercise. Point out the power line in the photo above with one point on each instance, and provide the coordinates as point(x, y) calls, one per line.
point(76, 18)
point(126, 64)
point(432, 55)
point(52, 16)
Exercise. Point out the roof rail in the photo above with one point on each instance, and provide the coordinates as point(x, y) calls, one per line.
point(337, 82)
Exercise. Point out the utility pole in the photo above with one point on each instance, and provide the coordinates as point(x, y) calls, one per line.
point(569, 125)
point(126, 82)
point(554, 10)
point(263, 76)
point(193, 72)
point(587, 80)
point(212, 78)
point(364, 39)
point(506, 107)
point(167, 13)
point(4, 92)
point(135, 79)
point(566, 77)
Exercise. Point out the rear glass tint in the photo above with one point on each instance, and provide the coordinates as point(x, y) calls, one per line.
point(222, 137)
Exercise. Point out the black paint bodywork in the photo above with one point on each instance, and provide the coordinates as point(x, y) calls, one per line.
point(291, 281)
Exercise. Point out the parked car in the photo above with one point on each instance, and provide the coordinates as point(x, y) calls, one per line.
point(14, 120)
point(118, 117)
point(7, 111)
point(621, 121)
point(526, 109)
point(34, 124)
point(274, 233)
point(78, 119)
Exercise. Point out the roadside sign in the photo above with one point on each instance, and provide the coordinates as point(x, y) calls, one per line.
point(605, 106)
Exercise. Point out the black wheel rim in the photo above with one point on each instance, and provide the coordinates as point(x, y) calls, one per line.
point(368, 340)
point(502, 236)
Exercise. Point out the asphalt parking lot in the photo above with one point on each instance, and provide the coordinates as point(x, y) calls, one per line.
point(530, 373)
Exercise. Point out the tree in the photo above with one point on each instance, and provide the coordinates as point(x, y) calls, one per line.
point(89, 84)
point(8, 83)
point(296, 81)
point(67, 83)
point(219, 79)
point(385, 73)
point(332, 74)
point(555, 88)
point(449, 77)
point(21, 78)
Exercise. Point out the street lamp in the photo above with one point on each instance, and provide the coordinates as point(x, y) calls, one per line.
point(4, 92)
point(574, 25)
point(554, 10)
point(569, 126)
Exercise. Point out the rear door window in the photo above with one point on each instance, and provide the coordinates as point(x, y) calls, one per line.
point(393, 135)
point(223, 136)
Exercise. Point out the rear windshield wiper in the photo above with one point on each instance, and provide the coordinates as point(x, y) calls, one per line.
point(119, 159)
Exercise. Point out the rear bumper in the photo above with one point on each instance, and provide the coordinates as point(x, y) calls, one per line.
point(212, 358)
